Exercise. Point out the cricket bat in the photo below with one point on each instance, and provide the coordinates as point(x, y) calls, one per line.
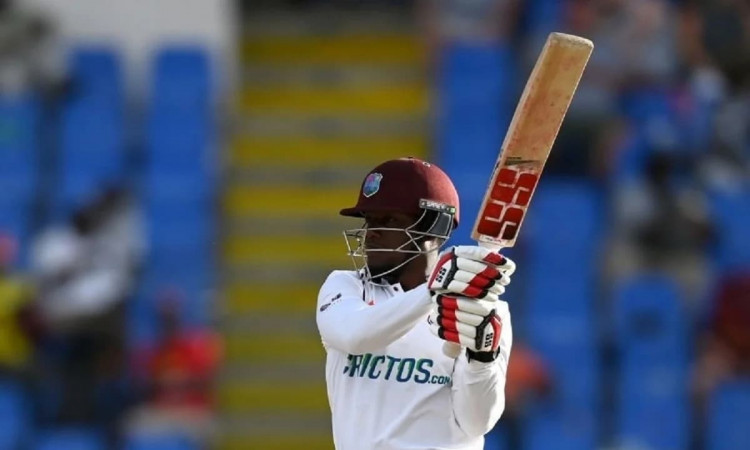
point(528, 142)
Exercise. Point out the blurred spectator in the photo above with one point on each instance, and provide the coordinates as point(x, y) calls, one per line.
point(446, 22)
point(662, 224)
point(724, 347)
point(633, 64)
point(717, 34)
point(727, 165)
point(643, 34)
point(29, 57)
point(85, 271)
point(527, 377)
point(119, 237)
point(176, 375)
point(716, 47)
point(468, 21)
point(87, 267)
point(16, 293)
point(582, 146)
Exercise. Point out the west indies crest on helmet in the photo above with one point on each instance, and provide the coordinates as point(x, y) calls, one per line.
point(408, 186)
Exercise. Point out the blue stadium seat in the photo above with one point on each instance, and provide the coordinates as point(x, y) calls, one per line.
point(476, 102)
point(559, 313)
point(566, 342)
point(193, 283)
point(182, 79)
point(731, 213)
point(161, 441)
point(179, 133)
point(163, 189)
point(19, 146)
point(653, 406)
point(92, 152)
point(189, 265)
point(181, 159)
point(14, 217)
point(643, 104)
point(543, 16)
point(551, 424)
point(557, 289)
point(97, 75)
point(630, 159)
point(652, 342)
point(559, 319)
point(727, 427)
point(497, 438)
point(180, 234)
point(69, 439)
point(92, 138)
point(175, 197)
point(14, 414)
point(567, 216)
point(179, 181)
point(650, 322)
point(561, 239)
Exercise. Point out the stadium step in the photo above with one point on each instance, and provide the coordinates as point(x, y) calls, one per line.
point(310, 151)
point(282, 249)
point(331, 50)
point(288, 201)
point(405, 99)
point(256, 298)
point(319, 107)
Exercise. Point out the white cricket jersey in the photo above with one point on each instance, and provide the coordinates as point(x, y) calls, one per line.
point(389, 384)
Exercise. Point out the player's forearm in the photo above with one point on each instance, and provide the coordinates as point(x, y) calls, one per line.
point(479, 388)
point(479, 397)
point(354, 327)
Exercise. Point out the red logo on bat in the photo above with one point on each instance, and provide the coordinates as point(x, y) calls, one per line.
point(509, 197)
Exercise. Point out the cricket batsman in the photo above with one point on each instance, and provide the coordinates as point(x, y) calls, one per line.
point(390, 384)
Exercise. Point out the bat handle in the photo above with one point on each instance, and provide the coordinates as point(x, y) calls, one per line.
point(451, 349)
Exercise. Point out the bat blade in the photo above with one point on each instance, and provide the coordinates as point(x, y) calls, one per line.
point(531, 134)
point(527, 145)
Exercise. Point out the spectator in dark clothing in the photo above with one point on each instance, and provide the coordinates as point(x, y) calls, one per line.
point(85, 272)
point(662, 224)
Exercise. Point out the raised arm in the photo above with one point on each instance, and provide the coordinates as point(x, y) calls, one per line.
point(348, 324)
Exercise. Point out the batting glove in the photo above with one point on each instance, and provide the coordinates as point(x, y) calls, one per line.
point(471, 323)
point(471, 271)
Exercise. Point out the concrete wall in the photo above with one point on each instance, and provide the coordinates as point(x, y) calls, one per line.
point(136, 27)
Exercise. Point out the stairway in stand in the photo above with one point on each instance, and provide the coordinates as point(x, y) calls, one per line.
point(325, 96)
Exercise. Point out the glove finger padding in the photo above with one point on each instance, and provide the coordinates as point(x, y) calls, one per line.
point(476, 278)
point(466, 290)
point(467, 305)
point(477, 333)
point(453, 314)
point(471, 271)
point(487, 256)
point(479, 282)
point(481, 269)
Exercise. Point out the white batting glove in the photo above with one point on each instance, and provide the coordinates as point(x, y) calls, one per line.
point(471, 271)
point(471, 323)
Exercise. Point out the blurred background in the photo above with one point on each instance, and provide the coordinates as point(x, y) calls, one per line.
point(171, 174)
